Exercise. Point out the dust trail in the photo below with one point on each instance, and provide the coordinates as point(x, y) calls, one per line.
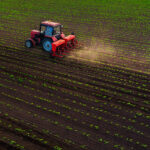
point(100, 51)
point(97, 50)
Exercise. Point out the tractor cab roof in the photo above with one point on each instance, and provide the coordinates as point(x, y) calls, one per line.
point(50, 23)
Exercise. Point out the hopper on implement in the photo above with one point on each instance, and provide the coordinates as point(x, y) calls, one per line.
point(52, 39)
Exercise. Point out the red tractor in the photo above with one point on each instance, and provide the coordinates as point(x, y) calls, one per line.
point(52, 39)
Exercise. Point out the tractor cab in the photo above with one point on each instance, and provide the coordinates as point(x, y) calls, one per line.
point(50, 29)
point(47, 29)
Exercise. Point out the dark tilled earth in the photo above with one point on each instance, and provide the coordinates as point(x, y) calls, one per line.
point(87, 100)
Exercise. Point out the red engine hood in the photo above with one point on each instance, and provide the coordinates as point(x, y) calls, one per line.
point(33, 32)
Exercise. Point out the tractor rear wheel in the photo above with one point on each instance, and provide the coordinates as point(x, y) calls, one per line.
point(28, 43)
point(47, 45)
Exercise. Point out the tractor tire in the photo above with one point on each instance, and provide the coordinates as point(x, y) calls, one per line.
point(28, 43)
point(47, 45)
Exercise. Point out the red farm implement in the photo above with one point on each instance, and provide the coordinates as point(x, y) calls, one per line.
point(52, 39)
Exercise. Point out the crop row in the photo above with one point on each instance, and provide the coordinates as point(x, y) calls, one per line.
point(100, 139)
point(116, 82)
point(59, 82)
point(107, 82)
point(77, 104)
point(94, 80)
point(83, 100)
point(116, 124)
point(56, 123)
point(12, 143)
point(15, 126)
point(110, 79)
point(105, 68)
point(46, 85)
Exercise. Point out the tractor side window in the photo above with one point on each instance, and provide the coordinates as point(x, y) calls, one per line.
point(43, 28)
point(56, 30)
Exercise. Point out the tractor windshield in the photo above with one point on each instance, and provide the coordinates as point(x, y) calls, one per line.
point(56, 30)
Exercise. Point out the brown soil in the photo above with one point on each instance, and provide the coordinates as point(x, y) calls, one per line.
point(93, 90)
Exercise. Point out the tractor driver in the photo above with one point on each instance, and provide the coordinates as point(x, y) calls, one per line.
point(54, 32)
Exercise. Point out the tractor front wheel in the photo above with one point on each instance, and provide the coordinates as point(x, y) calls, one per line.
point(28, 43)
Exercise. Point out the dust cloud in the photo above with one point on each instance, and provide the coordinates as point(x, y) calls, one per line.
point(98, 51)
point(95, 50)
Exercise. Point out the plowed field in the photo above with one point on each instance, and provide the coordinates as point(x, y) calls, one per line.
point(96, 98)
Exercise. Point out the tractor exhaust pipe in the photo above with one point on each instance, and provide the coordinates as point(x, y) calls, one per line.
point(72, 33)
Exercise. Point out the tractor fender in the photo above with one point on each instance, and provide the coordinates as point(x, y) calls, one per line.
point(33, 42)
point(54, 38)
